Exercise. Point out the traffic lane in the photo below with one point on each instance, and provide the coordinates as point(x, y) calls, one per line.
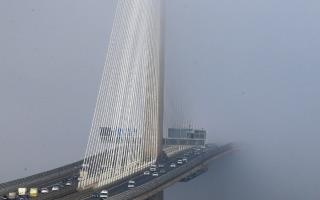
point(122, 187)
point(142, 179)
point(59, 181)
point(192, 155)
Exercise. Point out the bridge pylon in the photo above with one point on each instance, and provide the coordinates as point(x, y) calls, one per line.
point(127, 127)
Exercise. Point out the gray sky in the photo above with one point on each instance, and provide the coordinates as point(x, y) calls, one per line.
point(248, 70)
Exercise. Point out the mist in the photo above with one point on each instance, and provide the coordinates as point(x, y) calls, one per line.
point(247, 71)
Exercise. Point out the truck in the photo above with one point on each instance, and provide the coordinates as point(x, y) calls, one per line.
point(12, 195)
point(33, 193)
point(22, 191)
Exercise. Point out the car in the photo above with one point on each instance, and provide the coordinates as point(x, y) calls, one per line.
point(131, 185)
point(155, 174)
point(173, 165)
point(179, 162)
point(72, 179)
point(104, 194)
point(132, 182)
point(185, 160)
point(44, 190)
point(162, 171)
point(95, 195)
point(4, 197)
point(161, 165)
point(153, 169)
point(68, 183)
point(147, 173)
point(55, 188)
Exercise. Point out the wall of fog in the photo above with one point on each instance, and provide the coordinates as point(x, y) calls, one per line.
point(247, 71)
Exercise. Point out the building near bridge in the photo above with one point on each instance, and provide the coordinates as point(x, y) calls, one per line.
point(185, 137)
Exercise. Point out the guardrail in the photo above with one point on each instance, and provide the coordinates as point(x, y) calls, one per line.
point(41, 178)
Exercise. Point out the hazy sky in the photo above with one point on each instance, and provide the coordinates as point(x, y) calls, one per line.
point(248, 70)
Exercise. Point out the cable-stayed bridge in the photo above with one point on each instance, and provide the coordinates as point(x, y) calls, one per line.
point(125, 157)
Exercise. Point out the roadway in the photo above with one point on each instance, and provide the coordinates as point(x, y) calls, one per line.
point(70, 192)
point(139, 179)
point(41, 178)
point(147, 183)
point(174, 175)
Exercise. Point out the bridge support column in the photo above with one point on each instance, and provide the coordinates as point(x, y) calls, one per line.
point(158, 196)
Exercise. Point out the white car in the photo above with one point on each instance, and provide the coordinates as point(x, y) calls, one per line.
point(132, 182)
point(68, 183)
point(179, 162)
point(55, 188)
point(155, 174)
point(153, 169)
point(173, 165)
point(44, 191)
point(104, 194)
point(147, 173)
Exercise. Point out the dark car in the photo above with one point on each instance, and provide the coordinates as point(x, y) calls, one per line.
point(95, 195)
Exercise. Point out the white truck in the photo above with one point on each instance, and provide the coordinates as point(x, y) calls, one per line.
point(22, 191)
point(12, 195)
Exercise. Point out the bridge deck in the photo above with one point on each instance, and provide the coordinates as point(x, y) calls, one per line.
point(146, 186)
